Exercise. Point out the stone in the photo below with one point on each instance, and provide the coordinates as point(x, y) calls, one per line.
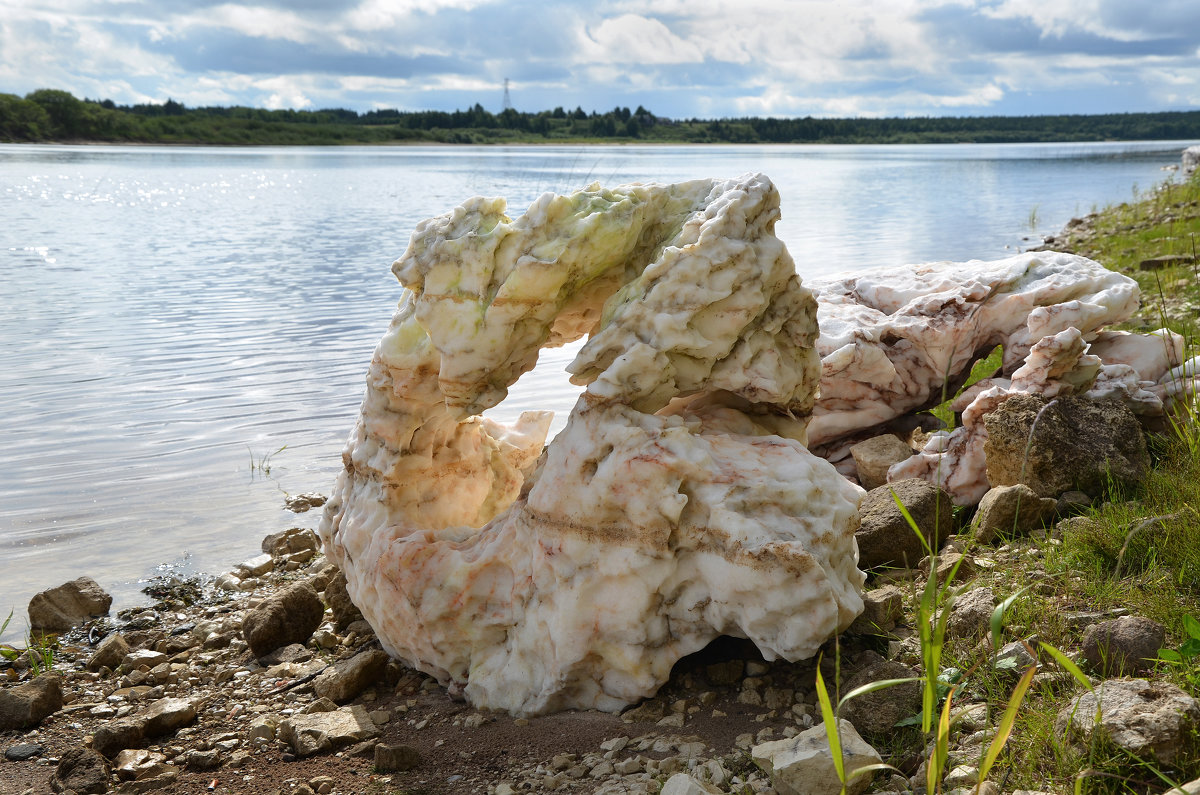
point(287, 616)
point(1151, 720)
point(22, 752)
point(879, 711)
point(894, 340)
point(883, 607)
point(81, 770)
point(803, 765)
point(683, 784)
point(1077, 444)
point(59, 609)
point(292, 653)
point(679, 500)
point(347, 678)
point(338, 599)
point(1013, 658)
point(1124, 645)
point(167, 716)
point(971, 615)
point(875, 456)
point(885, 537)
point(320, 732)
point(396, 758)
point(197, 759)
point(1190, 159)
point(291, 541)
point(139, 657)
point(254, 567)
point(118, 735)
point(27, 705)
point(130, 764)
point(304, 502)
point(109, 652)
point(1011, 511)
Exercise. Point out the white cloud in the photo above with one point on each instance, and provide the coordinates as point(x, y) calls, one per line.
point(631, 39)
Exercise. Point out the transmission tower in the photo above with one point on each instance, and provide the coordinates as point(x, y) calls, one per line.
point(507, 98)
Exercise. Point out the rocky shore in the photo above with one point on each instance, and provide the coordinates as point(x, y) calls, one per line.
point(266, 680)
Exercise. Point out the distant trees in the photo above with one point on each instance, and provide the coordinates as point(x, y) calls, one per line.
point(54, 115)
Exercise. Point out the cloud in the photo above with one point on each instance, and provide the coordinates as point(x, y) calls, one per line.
point(681, 58)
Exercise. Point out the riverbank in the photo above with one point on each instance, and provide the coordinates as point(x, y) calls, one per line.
point(254, 723)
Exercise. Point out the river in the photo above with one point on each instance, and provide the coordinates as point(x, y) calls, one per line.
point(186, 329)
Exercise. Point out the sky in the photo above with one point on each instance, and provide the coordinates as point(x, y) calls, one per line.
point(677, 58)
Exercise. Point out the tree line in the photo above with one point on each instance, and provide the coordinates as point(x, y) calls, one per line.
point(55, 115)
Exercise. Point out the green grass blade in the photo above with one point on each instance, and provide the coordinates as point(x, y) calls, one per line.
point(941, 745)
point(997, 622)
point(871, 687)
point(831, 727)
point(1005, 726)
point(1067, 665)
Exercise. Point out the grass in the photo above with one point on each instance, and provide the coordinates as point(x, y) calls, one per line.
point(39, 649)
point(1134, 552)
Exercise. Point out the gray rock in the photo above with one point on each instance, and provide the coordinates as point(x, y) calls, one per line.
point(287, 616)
point(291, 541)
point(1077, 445)
point(1010, 511)
point(344, 611)
point(1148, 719)
point(347, 678)
point(885, 537)
point(292, 653)
point(136, 659)
point(27, 705)
point(109, 652)
point(138, 763)
point(683, 784)
point(254, 567)
point(59, 609)
point(396, 758)
point(971, 614)
point(1190, 159)
point(116, 736)
point(882, 609)
point(167, 716)
point(22, 752)
point(874, 456)
point(879, 711)
point(803, 764)
point(1124, 645)
point(304, 502)
point(327, 731)
point(202, 760)
point(1013, 658)
point(81, 770)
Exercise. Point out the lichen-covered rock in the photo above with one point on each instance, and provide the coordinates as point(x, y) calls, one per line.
point(1124, 645)
point(27, 705)
point(1063, 444)
point(679, 503)
point(288, 616)
point(879, 711)
point(971, 614)
point(109, 652)
point(59, 609)
point(1152, 720)
point(875, 456)
point(81, 770)
point(1011, 511)
point(347, 678)
point(885, 538)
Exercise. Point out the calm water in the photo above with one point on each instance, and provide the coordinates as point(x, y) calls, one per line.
point(173, 315)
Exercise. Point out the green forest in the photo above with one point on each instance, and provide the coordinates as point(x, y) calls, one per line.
point(51, 115)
